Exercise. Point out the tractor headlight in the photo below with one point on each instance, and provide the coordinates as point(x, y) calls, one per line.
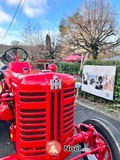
point(77, 85)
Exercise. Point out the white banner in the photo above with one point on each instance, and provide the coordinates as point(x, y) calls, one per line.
point(99, 80)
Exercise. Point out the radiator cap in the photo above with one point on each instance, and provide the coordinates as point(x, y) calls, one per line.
point(52, 67)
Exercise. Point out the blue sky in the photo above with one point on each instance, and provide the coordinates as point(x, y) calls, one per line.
point(47, 12)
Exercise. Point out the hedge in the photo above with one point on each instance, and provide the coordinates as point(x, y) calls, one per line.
point(68, 67)
point(64, 67)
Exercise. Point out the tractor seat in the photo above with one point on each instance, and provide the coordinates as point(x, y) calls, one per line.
point(19, 67)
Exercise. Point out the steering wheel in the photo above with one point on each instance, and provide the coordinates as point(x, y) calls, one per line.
point(15, 54)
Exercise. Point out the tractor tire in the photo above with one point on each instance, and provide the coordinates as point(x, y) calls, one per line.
point(109, 135)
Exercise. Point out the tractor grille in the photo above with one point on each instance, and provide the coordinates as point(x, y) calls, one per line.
point(62, 114)
point(33, 97)
point(55, 118)
point(68, 115)
point(40, 113)
point(32, 124)
point(68, 118)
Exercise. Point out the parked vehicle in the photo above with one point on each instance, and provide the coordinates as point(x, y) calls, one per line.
point(3, 66)
point(40, 105)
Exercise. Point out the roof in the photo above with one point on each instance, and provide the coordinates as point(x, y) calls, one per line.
point(73, 58)
point(115, 58)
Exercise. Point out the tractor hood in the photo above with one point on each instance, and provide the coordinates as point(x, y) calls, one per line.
point(45, 81)
point(38, 80)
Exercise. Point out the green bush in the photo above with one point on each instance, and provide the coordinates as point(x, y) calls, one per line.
point(68, 67)
point(64, 67)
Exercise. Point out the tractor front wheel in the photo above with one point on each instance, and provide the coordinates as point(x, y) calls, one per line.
point(108, 135)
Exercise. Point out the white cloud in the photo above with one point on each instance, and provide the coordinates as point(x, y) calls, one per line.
point(16, 36)
point(2, 32)
point(4, 17)
point(34, 8)
point(12, 2)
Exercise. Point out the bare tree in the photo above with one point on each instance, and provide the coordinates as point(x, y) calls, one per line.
point(92, 28)
point(52, 48)
point(40, 46)
point(33, 39)
point(15, 43)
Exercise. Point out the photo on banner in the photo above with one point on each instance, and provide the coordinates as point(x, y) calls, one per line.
point(99, 80)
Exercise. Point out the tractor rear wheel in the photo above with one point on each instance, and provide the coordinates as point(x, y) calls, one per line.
point(108, 135)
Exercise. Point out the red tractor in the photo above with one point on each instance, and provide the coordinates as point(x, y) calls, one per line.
point(40, 105)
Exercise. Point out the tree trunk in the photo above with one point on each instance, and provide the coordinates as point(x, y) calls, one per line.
point(52, 54)
point(95, 54)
